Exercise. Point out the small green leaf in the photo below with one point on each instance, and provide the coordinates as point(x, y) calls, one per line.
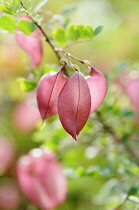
point(81, 31)
point(98, 30)
point(93, 171)
point(6, 9)
point(15, 5)
point(7, 23)
point(80, 171)
point(133, 191)
point(48, 68)
point(73, 34)
point(40, 4)
point(27, 85)
point(134, 198)
point(60, 36)
point(89, 31)
point(127, 113)
point(26, 26)
point(69, 9)
point(59, 19)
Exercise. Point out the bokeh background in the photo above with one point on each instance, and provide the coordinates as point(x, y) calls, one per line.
point(102, 173)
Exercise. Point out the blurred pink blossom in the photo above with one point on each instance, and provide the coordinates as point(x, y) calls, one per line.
point(41, 179)
point(9, 195)
point(129, 81)
point(7, 152)
point(31, 44)
point(26, 114)
point(132, 90)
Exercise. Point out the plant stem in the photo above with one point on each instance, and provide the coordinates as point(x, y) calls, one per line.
point(55, 49)
point(72, 56)
point(43, 32)
point(125, 199)
point(109, 129)
point(106, 127)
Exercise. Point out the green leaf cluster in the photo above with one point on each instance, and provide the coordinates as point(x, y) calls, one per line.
point(76, 32)
point(10, 7)
point(73, 33)
point(8, 23)
point(6, 9)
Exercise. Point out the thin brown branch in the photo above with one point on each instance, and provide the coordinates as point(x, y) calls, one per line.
point(124, 200)
point(43, 32)
point(85, 62)
point(109, 129)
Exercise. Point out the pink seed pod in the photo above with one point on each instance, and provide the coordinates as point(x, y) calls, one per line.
point(31, 44)
point(9, 195)
point(48, 92)
point(129, 81)
point(7, 153)
point(74, 104)
point(26, 114)
point(41, 179)
point(132, 90)
point(98, 88)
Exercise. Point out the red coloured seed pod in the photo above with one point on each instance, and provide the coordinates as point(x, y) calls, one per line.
point(31, 44)
point(98, 88)
point(74, 104)
point(41, 179)
point(48, 92)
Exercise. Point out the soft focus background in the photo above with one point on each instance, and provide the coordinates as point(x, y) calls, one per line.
point(102, 173)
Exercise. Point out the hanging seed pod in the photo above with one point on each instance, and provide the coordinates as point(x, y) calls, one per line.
point(41, 179)
point(132, 90)
point(48, 92)
point(98, 88)
point(31, 44)
point(74, 104)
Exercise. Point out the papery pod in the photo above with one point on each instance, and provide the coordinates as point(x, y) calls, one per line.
point(132, 90)
point(74, 104)
point(26, 122)
point(31, 44)
point(41, 179)
point(7, 154)
point(98, 88)
point(48, 91)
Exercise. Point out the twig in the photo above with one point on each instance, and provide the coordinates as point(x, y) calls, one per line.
point(116, 138)
point(71, 44)
point(124, 200)
point(45, 35)
point(85, 62)
point(55, 49)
